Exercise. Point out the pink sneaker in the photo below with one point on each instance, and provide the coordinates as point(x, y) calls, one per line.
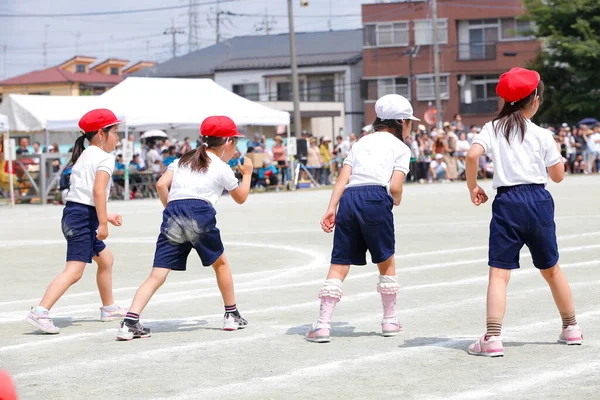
point(391, 327)
point(319, 334)
point(487, 348)
point(571, 335)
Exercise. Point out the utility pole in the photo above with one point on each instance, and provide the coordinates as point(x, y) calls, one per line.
point(192, 26)
point(436, 64)
point(218, 30)
point(295, 85)
point(77, 36)
point(45, 45)
point(148, 50)
point(173, 31)
point(266, 24)
point(4, 75)
point(329, 20)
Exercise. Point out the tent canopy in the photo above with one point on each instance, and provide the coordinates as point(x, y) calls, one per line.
point(185, 103)
point(144, 103)
point(4, 126)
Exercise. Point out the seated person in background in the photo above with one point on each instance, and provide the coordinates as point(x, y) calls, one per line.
point(438, 170)
point(234, 164)
point(170, 156)
point(118, 173)
point(136, 165)
point(267, 174)
point(579, 165)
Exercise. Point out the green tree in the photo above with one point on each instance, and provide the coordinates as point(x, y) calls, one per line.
point(570, 60)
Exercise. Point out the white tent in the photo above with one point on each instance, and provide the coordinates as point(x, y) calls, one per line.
point(185, 103)
point(4, 125)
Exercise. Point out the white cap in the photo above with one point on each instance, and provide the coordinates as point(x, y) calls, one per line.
point(394, 106)
point(439, 156)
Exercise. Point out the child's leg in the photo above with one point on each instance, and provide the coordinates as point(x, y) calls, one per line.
point(496, 300)
point(104, 276)
point(72, 273)
point(224, 280)
point(388, 286)
point(147, 289)
point(331, 292)
point(561, 292)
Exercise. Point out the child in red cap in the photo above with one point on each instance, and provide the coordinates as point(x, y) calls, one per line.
point(189, 190)
point(523, 211)
point(85, 220)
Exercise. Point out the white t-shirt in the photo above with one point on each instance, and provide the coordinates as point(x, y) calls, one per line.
point(375, 157)
point(83, 174)
point(207, 186)
point(438, 166)
point(520, 162)
point(592, 145)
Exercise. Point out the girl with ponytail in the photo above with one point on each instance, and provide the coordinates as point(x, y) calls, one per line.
point(85, 220)
point(189, 190)
point(523, 211)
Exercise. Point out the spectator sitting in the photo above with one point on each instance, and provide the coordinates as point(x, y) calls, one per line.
point(185, 147)
point(267, 174)
point(22, 149)
point(136, 165)
point(438, 170)
point(170, 156)
point(257, 143)
point(579, 165)
point(234, 164)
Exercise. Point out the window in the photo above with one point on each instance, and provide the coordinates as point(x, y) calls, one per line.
point(424, 31)
point(393, 86)
point(321, 88)
point(386, 35)
point(484, 87)
point(426, 87)
point(284, 91)
point(80, 68)
point(247, 90)
point(514, 29)
point(114, 71)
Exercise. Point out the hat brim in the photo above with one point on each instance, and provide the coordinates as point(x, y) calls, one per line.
point(238, 135)
point(412, 117)
point(117, 122)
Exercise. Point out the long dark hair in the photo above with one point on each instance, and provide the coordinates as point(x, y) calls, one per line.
point(79, 147)
point(198, 160)
point(510, 117)
point(394, 124)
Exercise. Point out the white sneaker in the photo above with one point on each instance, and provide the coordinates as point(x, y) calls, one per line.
point(233, 323)
point(42, 321)
point(113, 313)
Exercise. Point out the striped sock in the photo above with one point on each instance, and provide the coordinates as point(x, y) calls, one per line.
point(132, 318)
point(494, 327)
point(568, 319)
point(231, 309)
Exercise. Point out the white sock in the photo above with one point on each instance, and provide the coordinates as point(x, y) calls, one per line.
point(40, 310)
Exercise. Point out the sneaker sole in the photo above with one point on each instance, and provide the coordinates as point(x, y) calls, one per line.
point(491, 355)
point(390, 334)
point(319, 340)
point(36, 325)
point(110, 319)
point(571, 342)
point(122, 338)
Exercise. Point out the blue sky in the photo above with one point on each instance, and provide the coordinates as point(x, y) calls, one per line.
point(140, 36)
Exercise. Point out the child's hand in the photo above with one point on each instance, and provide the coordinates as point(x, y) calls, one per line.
point(115, 219)
point(397, 200)
point(328, 221)
point(247, 167)
point(478, 196)
point(102, 232)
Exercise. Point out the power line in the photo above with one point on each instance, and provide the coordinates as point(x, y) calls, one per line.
point(266, 24)
point(192, 26)
point(112, 12)
point(173, 31)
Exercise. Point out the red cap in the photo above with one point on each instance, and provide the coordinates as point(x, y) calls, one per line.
point(98, 119)
point(517, 84)
point(219, 126)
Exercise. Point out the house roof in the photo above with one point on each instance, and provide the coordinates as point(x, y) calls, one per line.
point(115, 61)
point(58, 75)
point(264, 52)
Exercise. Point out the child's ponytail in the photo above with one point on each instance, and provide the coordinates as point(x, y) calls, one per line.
point(511, 117)
point(79, 147)
point(198, 160)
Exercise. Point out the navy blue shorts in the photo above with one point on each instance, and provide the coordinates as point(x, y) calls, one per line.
point(188, 224)
point(79, 225)
point(364, 221)
point(523, 215)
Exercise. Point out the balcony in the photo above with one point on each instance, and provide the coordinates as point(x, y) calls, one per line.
point(479, 107)
point(476, 51)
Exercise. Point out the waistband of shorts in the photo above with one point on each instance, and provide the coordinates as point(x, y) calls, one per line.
point(521, 188)
point(366, 188)
point(72, 204)
point(191, 202)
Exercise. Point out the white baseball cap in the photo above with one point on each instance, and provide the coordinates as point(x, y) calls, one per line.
point(394, 106)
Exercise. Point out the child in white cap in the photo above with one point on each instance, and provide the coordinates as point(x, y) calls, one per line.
point(368, 186)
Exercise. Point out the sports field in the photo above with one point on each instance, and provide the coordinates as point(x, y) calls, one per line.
point(279, 259)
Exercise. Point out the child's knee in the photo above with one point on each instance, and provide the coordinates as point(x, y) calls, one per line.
point(159, 276)
point(74, 275)
point(550, 273)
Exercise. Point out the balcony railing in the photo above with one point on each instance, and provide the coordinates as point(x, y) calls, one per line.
point(479, 107)
point(477, 51)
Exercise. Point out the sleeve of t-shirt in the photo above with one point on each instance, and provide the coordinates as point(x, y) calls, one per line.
point(349, 158)
point(107, 165)
point(228, 179)
point(484, 139)
point(551, 154)
point(173, 166)
point(402, 159)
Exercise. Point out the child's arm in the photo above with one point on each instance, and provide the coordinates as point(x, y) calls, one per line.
point(100, 183)
point(163, 185)
point(328, 220)
point(478, 196)
point(396, 186)
point(240, 193)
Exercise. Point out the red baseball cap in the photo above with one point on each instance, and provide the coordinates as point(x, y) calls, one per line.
point(517, 84)
point(219, 126)
point(98, 119)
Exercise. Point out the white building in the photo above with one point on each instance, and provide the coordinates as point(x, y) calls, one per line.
point(258, 68)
